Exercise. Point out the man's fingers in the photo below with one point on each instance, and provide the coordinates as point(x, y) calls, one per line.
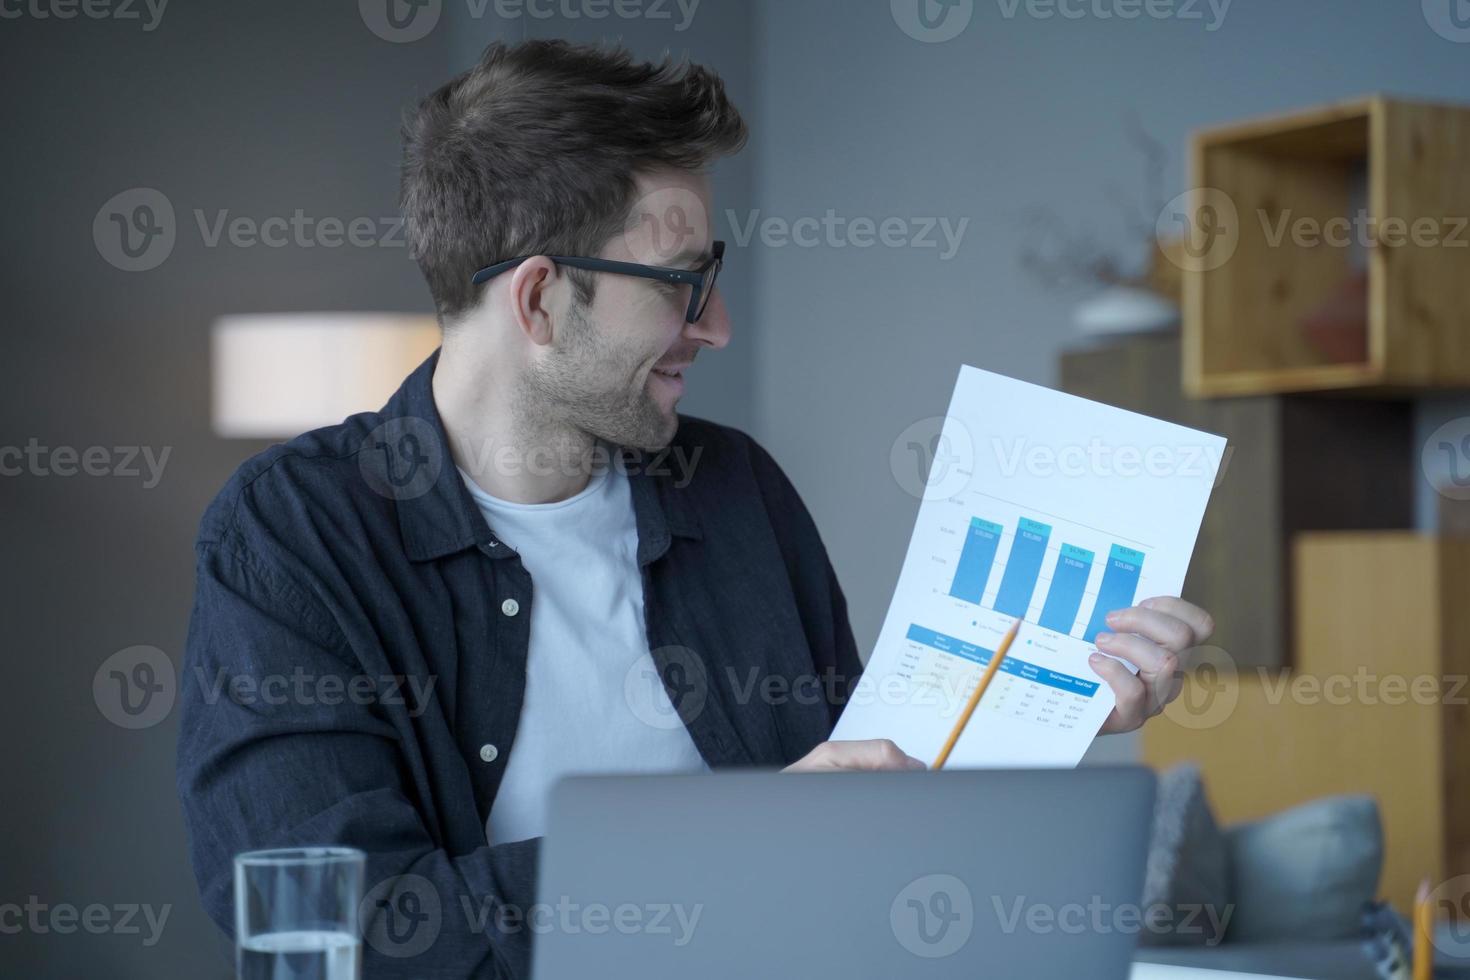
point(866, 754)
point(872, 753)
point(1140, 651)
point(1201, 623)
point(1130, 693)
point(1166, 630)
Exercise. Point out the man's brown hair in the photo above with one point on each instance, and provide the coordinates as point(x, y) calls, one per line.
point(534, 150)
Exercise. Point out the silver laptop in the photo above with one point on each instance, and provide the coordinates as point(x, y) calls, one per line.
point(1011, 874)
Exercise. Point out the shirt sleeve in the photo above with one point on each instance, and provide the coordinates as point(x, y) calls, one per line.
point(260, 764)
point(819, 598)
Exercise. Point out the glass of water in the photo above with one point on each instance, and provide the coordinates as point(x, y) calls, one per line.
point(296, 914)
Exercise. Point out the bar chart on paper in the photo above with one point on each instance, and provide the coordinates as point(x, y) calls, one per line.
point(977, 562)
point(1029, 571)
point(1057, 549)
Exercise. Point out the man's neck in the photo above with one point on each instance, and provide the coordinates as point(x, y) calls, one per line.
point(508, 454)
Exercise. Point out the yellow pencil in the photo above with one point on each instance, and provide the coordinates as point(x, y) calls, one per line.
point(1423, 934)
point(990, 668)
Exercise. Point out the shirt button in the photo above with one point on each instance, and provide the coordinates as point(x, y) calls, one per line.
point(489, 753)
point(510, 607)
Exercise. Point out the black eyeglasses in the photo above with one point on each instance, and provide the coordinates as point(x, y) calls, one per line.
point(701, 279)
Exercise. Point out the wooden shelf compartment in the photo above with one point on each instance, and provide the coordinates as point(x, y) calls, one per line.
point(1383, 165)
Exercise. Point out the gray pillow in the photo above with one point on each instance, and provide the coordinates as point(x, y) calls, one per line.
point(1186, 891)
point(1305, 873)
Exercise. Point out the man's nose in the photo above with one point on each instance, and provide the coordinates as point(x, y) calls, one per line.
point(713, 327)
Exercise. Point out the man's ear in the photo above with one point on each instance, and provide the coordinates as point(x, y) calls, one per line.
point(531, 286)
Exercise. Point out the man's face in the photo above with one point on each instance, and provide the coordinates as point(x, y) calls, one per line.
point(616, 369)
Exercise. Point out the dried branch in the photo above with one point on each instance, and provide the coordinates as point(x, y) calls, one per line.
point(1059, 257)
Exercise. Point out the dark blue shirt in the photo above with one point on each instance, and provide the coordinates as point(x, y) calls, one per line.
point(354, 673)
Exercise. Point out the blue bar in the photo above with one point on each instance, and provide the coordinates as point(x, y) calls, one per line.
point(1028, 548)
point(1119, 583)
point(1010, 665)
point(976, 559)
point(1064, 597)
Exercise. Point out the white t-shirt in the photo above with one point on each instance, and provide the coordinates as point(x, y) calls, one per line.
point(593, 699)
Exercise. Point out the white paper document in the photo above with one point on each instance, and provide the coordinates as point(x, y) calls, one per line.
point(1043, 506)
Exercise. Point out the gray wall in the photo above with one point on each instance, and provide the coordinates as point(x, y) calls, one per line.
point(258, 108)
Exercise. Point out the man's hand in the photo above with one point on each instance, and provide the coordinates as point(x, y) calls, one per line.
point(1151, 636)
point(868, 753)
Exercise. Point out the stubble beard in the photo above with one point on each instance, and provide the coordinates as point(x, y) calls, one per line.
point(586, 387)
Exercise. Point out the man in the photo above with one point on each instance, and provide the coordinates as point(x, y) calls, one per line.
point(526, 563)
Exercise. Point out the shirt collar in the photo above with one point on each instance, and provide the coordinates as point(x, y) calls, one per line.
point(437, 516)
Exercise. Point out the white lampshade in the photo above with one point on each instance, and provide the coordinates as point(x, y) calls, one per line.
point(279, 374)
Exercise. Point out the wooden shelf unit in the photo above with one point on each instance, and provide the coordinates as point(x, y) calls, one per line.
point(1387, 158)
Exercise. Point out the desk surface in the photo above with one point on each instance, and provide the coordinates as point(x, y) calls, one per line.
point(1155, 971)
